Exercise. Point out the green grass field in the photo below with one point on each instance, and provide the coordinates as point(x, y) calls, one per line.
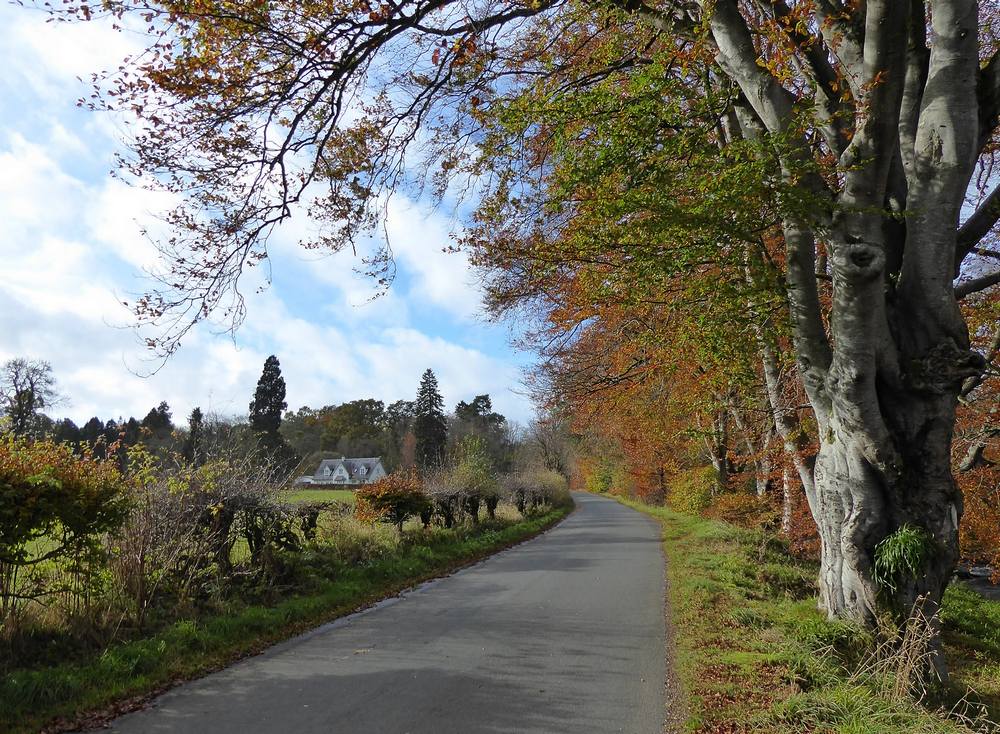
point(320, 495)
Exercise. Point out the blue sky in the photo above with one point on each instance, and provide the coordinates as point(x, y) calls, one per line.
point(72, 252)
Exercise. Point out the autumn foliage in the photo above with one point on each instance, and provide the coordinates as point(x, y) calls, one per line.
point(392, 499)
point(47, 491)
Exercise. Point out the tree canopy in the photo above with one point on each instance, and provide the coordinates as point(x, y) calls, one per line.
point(27, 387)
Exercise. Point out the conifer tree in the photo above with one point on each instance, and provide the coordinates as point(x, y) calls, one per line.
point(193, 450)
point(268, 399)
point(265, 419)
point(429, 425)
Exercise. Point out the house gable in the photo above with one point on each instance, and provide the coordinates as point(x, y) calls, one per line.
point(346, 471)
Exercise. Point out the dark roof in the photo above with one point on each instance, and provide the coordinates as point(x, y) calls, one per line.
point(352, 465)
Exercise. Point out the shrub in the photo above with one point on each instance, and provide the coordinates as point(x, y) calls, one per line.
point(445, 496)
point(54, 506)
point(391, 499)
point(516, 488)
point(474, 474)
point(691, 490)
point(467, 485)
point(551, 488)
point(531, 489)
point(184, 522)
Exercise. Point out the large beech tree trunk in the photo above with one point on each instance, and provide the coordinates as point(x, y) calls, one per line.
point(886, 413)
point(882, 363)
point(856, 505)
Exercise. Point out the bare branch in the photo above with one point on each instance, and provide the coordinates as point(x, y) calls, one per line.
point(968, 287)
point(977, 226)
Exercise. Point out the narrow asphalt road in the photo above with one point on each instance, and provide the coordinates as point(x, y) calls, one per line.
point(564, 633)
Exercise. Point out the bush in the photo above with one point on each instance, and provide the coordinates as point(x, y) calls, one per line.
point(474, 475)
point(392, 499)
point(467, 485)
point(184, 522)
point(552, 488)
point(446, 496)
point(54, 507)
point(529, 490)
point(691, 490)
point(516, 488)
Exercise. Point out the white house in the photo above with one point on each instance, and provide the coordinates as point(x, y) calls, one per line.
point(345, 472)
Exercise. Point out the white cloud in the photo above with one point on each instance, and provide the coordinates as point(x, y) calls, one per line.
point(34, 188)
point(418, 238)
point(73, 249)
point(51, 57)
point(118, 216)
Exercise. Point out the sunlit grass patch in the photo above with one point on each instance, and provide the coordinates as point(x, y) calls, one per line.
point(320, 495)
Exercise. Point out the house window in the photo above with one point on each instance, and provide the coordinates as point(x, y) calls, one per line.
point(362, 471)
point(326, 471)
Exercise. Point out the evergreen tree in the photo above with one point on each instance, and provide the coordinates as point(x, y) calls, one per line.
point(479, 414)
point(193, 451)
point(111, 431)
point(269, 399)
point(132, 430)
point(66, 431)
point(429, 424)
point(266, 409)
point(92, 430)
point(477, 419)
point(158, 420)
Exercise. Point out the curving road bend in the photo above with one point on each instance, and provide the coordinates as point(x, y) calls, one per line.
point(562, 634)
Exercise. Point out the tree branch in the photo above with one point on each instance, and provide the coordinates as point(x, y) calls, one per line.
point(671, 18)
point(812, 344)
point(877, 136)
point(738, 57)
point(845, 37)
point(814, 50)
point(976, 227)
point(917, 61)
point(975, 285)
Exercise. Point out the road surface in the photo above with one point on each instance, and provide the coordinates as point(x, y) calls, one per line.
point(564, 633)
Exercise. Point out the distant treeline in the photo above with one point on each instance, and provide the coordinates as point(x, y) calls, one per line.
point(405, 433)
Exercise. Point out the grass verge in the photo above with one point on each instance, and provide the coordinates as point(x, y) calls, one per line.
point(90, 691)
point(753, 654)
